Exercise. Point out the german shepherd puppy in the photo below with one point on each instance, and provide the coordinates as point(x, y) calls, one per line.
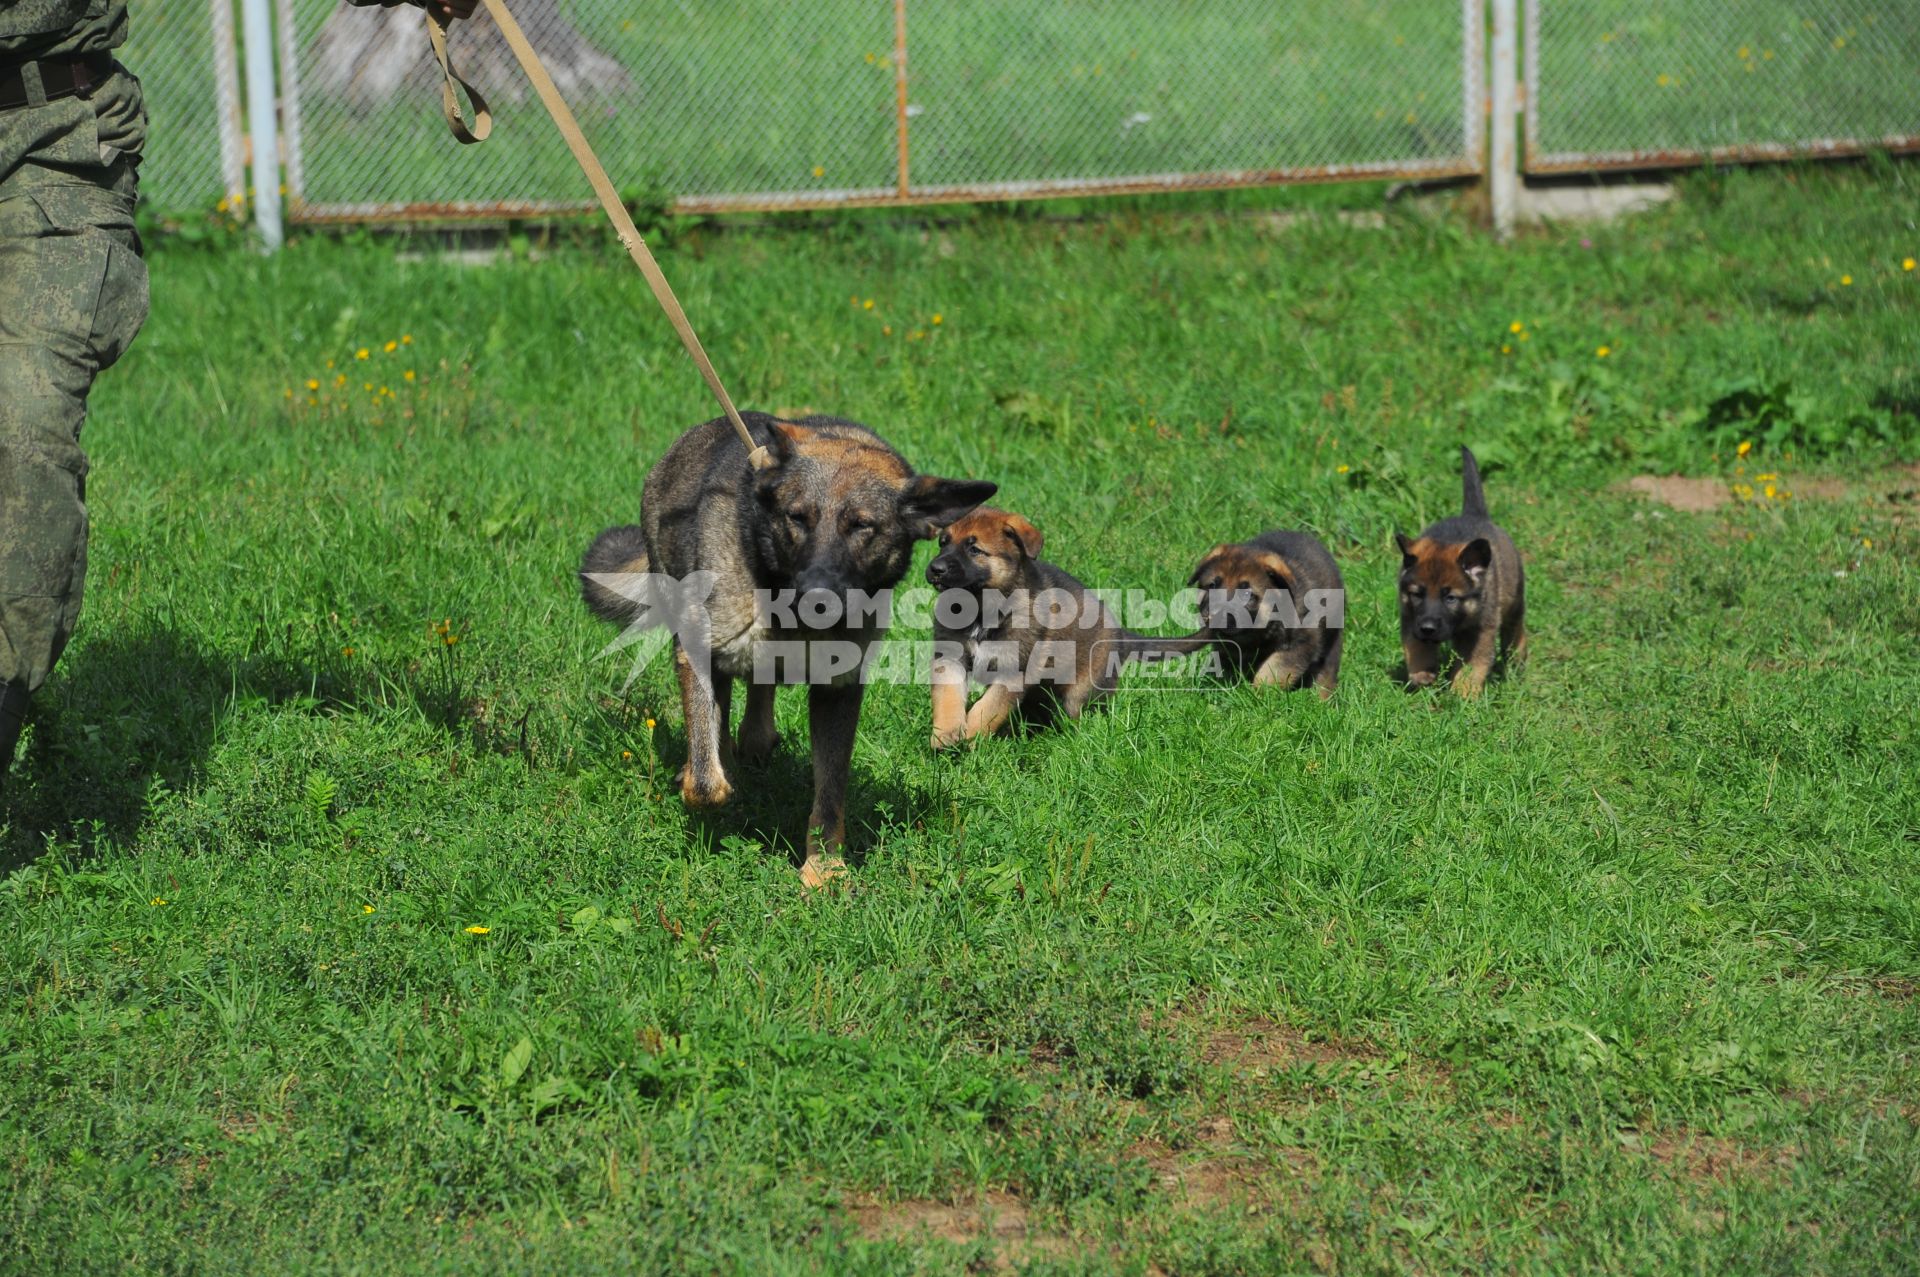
point(1461, 583)
point(835, 515)
point(1038, 639)
point(1284, 642)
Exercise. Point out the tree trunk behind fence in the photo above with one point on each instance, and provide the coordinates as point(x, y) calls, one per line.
point(368, 55)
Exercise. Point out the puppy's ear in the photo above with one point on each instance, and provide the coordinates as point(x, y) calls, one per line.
point(1278, 572)
point(929, 504)
point(1475, 555)
point(1024, 535)
point(1406, 549)
point(1200, 569)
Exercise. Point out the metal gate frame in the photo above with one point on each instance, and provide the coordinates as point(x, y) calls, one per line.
point(1536, 159)
point(1471, 162)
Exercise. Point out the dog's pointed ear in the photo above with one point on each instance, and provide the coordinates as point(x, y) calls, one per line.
point(1200, 568)
point(1024, 535)
point(1406, 549)
point(1475, 555)
point(929, 504)
point(1278, 571)
point(783, 441)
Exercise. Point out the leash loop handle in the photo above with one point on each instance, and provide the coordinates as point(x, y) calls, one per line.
point(482, 125)
point(757, 455)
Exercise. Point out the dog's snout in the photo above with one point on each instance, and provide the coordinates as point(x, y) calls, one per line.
point(1428, 631)
point(939, 571)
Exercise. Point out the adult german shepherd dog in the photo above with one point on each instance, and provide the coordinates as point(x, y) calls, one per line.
point(831, 524)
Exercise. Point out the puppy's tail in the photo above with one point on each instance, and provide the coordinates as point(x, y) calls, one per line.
point(1473, 501)
point(617, 552)
point(1148, 648)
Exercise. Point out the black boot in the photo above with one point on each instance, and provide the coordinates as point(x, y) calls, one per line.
point(13, 716)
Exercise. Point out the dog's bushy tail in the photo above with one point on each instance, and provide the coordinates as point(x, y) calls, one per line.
point(616, 551)
point(1473, 501)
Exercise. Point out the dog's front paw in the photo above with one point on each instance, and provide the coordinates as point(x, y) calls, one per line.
point(1422, 678)
point(1468, 682)
point(949, 739)
point(704, 792)
point(820, 870)
point(757, 749)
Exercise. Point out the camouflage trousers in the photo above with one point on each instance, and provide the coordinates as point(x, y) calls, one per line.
point(73, 292)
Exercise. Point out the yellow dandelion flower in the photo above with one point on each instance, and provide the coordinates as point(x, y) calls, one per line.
point(329, 363)
point(1866, 543)
point(391, 346)
point(1663, 79)
point(407, 375)
point(340, 379)
point(1515, 326)
point(937, 320)
point(649, 724)
point(346, 651)
point(1769, 490)
point(289, 392)
point(478, 931)
point(886, 330)
point(819, 171)
point(222, 206)
point(1506, 349)
point(867, 304)
point(363, 353)
point(1765, 478)
point(1766, 55)
point(367, 386)
point(1839, 42)
point(1745, 52)
point(1603, 352)
point(1906, 263)
point(870, 59)
point(1342, 468)
point(366, 909)
point(1746, 446)
point(156, 901)
point(406, 339)
point(1525, 336)
point(1846, 281)
point(313, 383)
point(626, 753)
point(1412, 118)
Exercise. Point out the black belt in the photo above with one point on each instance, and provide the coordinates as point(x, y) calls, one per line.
point(59, 77)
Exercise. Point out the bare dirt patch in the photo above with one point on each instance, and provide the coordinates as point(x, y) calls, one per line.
point(1259, 1045)
point(1709, 1159)
point(1677, 492)
point(1000, 1219)
point(1211, 1171)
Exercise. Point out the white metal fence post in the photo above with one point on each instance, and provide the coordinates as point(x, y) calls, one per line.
point(1503, 163)
point(256, 20)
point(226, 88)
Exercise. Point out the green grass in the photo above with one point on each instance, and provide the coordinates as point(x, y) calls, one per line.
point(1612, 971)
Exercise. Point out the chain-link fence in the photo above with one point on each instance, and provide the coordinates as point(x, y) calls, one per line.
point(758, 104)
point(767, 104)
point(1619, 84)
point(182, 50)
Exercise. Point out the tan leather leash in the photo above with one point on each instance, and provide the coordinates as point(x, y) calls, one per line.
point(757, 456)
